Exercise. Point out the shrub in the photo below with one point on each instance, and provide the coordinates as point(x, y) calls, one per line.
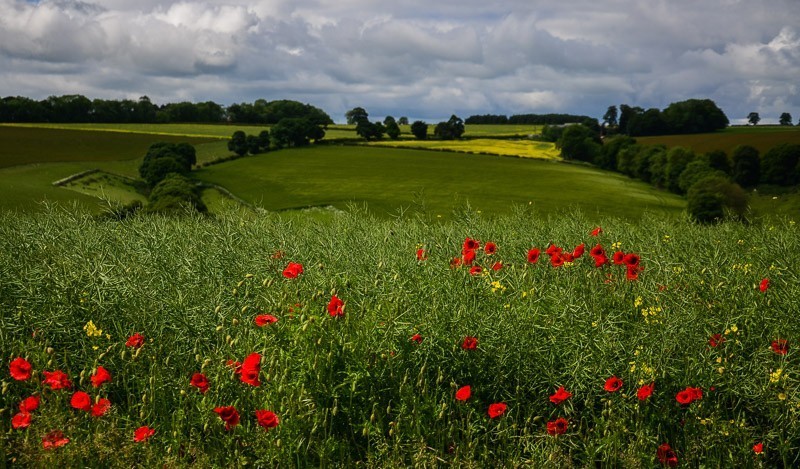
point(779, 163)
point(746, 166)
point(173, 195)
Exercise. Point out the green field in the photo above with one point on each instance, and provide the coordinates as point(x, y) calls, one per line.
point(762, 138)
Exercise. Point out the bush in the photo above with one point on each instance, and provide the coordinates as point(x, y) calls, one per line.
point(711, 197)
point(695, 171)
point(174, 195)
point(779, 163)
point(677, 159)
point(746, 166)
point(453, 129)
point(579, 142)
point(165, 158)
point(420, 130)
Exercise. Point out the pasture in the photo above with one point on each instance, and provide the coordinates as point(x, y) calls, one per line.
point(762, 138)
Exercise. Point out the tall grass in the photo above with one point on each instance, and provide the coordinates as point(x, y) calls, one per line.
point(355, 389)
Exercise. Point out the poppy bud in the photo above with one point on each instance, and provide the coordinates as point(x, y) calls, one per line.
point(183, 392)
point(102, 355)
point(335, 410)
point(122, 355)
point(141, 414)
point(5, 388)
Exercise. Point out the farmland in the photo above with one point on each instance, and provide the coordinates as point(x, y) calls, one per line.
point(494, 146)
point(762, 138)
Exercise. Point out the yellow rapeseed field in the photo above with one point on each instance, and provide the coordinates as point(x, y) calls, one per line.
point(521, 148)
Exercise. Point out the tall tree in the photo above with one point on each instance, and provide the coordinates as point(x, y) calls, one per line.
point(786, 119)
point(420, 130)
point(753, 118)
point(746, 166)
point(356, 115)
point(610, 117)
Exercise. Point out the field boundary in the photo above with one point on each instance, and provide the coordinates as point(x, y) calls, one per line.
point(76, 176)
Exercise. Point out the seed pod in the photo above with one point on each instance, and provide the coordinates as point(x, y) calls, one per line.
point(49, 350)
point(365, 431)
point(278, 443)
point(235, 292)
point(102, 355)
point(218, 309)
point(248, 276)
point(245, 308)
point(241, 282)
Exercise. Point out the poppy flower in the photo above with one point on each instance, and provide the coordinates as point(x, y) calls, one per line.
point(464, 393)
point(497, 266)
point(267, 419)
point(251, 367)
point(631, 259)
point(135, 341)
point(597, 251)
point(780, 346)
point(335, 306)
point(455, 262)
point(497, 409)
point(689, 395)
point(421, 255)
point(81, 401)
point(21, 420)
point(578, 251)
point(632, 272)
point(470, 245)
point(764, 285)
point(200, 381)
point(263, 319)
point(490, 248)
point(143, 433)
point(613, 384)
point(102, 406)
point(469, 343)
point(469, 257)
point(56, 380)
point(596, 231)
point(553, 249)
point(533, 255)
point(416, 338)
point(54, 439)
point(292, 270)
point(758, 448)
point(236, 366)
point(557, 426)
point(600, 261)
point(645, 391)
point(557, 260)
point(29, 404)
point(666, 456)
point(618, 258)
point(560, 395)
point(229, 415)
point(716, 339)
point(20, 369)
point(100, 376)
point(475, 270)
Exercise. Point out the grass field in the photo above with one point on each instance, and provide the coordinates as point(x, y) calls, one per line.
point(762, 138)
point(521, 148)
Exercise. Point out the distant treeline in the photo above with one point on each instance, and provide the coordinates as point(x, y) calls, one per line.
point(532, 119)
point(80, 109)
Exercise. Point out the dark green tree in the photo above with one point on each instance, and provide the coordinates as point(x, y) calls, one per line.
point(779, 163)
point(295, 132)
point(175, 194)
point(753, 118)
point(263, 140)
point(403, 120)
point(393, 130)
point(709, 198)
point(356, 115)
point(420, 130)
point(677, 159)
point(579, 142)
point(694, 116)
point(610, 117)
point(746, 166)
point(253, 145)
point(387, 120)
point(370, 130)
point(238, 143)
point(643, 161)
point(626, 159)
point(607, 158)
point(658, 166)
point(786, 119)
point(695, 171)
point(164, 158)
point(453, 129)
point(718, 159)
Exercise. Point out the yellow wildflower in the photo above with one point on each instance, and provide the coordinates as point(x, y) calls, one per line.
point(92, 330)
point(637, 302)
point(782, 396)
point(616, 245)
point(775, 376)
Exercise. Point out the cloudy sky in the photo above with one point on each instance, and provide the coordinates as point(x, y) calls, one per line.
point(422, 59)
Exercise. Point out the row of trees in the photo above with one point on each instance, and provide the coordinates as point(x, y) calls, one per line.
point(786, 119)
point(683, 117)
point(533, 119)
point(78, 108)
point(451, 129)
point(289, 132)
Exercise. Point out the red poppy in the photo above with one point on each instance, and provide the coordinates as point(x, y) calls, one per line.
point(292, 270)
point(100, 376)
point(632, 272)
point(135, 341)
point(666, 456)
point(263, 319)
point(764, 285)
point(335, 306)
point(497, 266)
point(251, 367)
point(780, 346)
point(613, 384)
point(267, 419)
point(689, 395)
point(470, 245)
point(21, 420)
point(421, 255)
point(600, 261)
point(557, 426)
point(200, 381)
point(464, 393)
point(497, 409)
point(631, 259)
point(560, 395)
point(557, 260)
point(469, 343)
point(54, 439)
point(469, 257)
point(102, 406)
point(618, 258)
point(143, 433)
point(455, 262)
point(29, 404)
point(758, 448)
point(716, 339)
point(597, 251)
point(229, 415)
point(475, 270)
point(81, 401)
point(56, 380)
point(596, 231)
point(533, 255)
point(553, 249)
point(578, 251)
point(490, 248)
point(416, 338)
point(645, 391)
point(20, 369)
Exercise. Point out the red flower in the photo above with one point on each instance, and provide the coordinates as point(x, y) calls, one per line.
point(764, 285)
point(716, 339)
point(56, 380)
point(54, 439)
point(597, 251)
point(557, 260)
point(618, 258)
point(229, 415)
point(470, 245)
point(464, 393)
point(689, 395)
point(335, 306)
point(557, 426)
point(533, 255)
point(560, 395)
point(631, 259)
point(645, 391)
point(632, 272)
point(578, 251)
point(263, 319)
point(455, 262)
point(143, 433)
point(267, 419)
point(102, 406)
point(758, 448)
point(469, 343)
point(596, 231)
point(21, 420)
point(29, 404)
point(200, 381)
point(475, 270)
point(100, 376)
point(292, 270)
point(613, 384)
point(20, 369)
point(600, 261)
point(497, 409)
point(497, 266)
point(416, 338)
point(469, 257)
point(251, 367)
point(553, 249)
point(135, 341)
point(666, 456)
point(421, 255)
point(780, 346)
point(81, 401)
point(490, 248)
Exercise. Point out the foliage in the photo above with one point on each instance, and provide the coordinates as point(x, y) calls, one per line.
point(785, 119)
point(579, 142)
point(677, 160)
point(272, 112)
point(392, 130)
point(607, 157)
point(753, 118)
point(719, 160)
point(453, 129)
point(696, 170)
point(694, 116)
point(420, 130)
point(552, 133)
point(356, 116)
point(709, 197)
point(778, 165)
point(610, 117)
point(533, 119)
point(163, 158)
point(238, 143)
point(175, 194)
point(403, 120)
point(295, 132)
point(242, 144)
point(746, 166)
point(369, 130)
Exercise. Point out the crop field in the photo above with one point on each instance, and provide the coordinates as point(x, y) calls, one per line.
point(761, 138)
point(521, 148)
point(522, 340)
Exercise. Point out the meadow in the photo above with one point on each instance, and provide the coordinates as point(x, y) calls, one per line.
point(362, 341)
point(762, 138)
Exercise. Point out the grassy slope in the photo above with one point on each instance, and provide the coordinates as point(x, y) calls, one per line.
point(762, 138)
point(388, 178)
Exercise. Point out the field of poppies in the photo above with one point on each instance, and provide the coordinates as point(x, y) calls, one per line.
point(526, 339)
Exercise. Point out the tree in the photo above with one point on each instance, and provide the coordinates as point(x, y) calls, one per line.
point(370, 130)
point(746, 166)
point(165, 158)
point(753, 118)
point(356, 115)
point(677, 160)
point(694, 116)
point(295, 132)
point(695, 171)
point(402, 121)
point(420, 130)
point(238, 143)
point(657, 168)
point(579, 142)
point(718, 159)
point(643, 161)
point(393, 130)
point(388, 119)
point(263, 140)
point(779, 163)
point(710, 197)
point(451, 130)
point(607, 158)
point(786, 119)
point(610, 117)
point(626, 113)
point(625, 159)
point(173, 195)
point(650, 122)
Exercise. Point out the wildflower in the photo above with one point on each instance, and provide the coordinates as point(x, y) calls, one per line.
point(597, 251)
point(553, 250)
point(631, 259)
point(464, 393)
point(416, 338)
point(497, 409)
point(533, 255)
point(600, 261)
point(497, 266)
point(421, 255)
point(475, 270)
point(251, 367)
point(469, 343)
point(21, 420)
point(29, 404)
point(758, 448)
point(100, 376)
point(267, 419)
point(468, 257)
point(54, 439)
point(143, 433)
point(470, 245)
point(613, 384)
point(229, 415)
point(92, 330)
point(81, 401)
point(645, 391)
point(263, 319)
point(557, 260)
point(557, 426)
point(489, 248)
point(293, 270)
point(200, 381)
point(632, 272)
point(578, 251)
point(780, 346)
point(102, 406)
point(775, 376)
point(618, 258)
point(560, 395)
point(637, 302)
point(135, 341)
point(335, 306)
point(455, 262)
point(666, 456)
point(764, 285)
point(716, 339)
point(689, 395)
point(56, 380)
point(596, 231)
point(20, 369)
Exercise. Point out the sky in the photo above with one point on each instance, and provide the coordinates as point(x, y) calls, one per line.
point(420, 59)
